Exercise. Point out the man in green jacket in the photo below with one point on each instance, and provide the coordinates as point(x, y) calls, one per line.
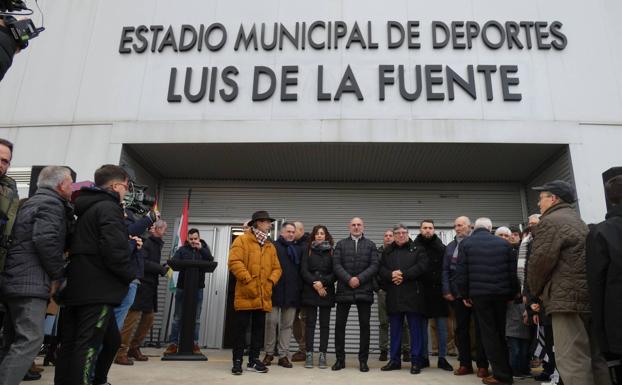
point(557, 274)
point(9, 199)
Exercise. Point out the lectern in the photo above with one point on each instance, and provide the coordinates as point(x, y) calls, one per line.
point(191, 269)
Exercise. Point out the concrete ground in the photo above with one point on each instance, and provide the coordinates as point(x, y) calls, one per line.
point(217, 371)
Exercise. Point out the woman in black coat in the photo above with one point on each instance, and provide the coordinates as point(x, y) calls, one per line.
point(318, 291)
point(402, 268)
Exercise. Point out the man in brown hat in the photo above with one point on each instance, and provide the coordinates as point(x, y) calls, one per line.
point(254, 262)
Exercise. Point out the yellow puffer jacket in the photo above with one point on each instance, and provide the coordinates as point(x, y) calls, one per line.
point(256, 269)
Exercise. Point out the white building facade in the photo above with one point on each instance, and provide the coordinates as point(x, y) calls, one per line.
point(394, 111)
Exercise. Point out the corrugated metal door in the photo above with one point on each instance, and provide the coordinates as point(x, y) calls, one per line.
point(380, 205)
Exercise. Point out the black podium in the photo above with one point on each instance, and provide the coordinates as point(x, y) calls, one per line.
point(191, 271)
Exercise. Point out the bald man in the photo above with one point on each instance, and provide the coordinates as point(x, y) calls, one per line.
point(355, 262)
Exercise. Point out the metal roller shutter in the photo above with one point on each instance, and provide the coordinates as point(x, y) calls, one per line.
point(380, 205)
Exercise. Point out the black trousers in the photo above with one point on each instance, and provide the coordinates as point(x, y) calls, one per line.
point(549, 367)
point(82, 330)
point(490, 312)
point(311, 312)
point(256, 319)
point(463, 336)
point(110, 347)
point(364, 312)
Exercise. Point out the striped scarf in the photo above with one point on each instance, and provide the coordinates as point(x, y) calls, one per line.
point(260, 235)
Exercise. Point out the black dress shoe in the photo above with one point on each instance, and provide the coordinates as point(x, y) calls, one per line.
point(392, 365)
point(363, 367)
point(426, 363)
point(415, 369)
point(338, 365)
point(443, 364)
point(31, 376)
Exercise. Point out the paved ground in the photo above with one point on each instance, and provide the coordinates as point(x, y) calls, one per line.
point(217, 371)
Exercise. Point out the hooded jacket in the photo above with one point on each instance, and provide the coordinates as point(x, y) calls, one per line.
point(99, 270)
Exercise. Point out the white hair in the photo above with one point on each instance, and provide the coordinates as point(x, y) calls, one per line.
point(52, 176)
point(503, 230)
point(160, 223)
point(467, 220)
point(534, 216)
point(483, 223)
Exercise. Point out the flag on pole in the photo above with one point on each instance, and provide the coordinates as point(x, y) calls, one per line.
point(178, 241)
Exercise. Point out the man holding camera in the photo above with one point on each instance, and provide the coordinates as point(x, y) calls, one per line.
point(98, 276)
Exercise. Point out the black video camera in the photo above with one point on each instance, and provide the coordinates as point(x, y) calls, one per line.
point(23, 30)
point(137, 200)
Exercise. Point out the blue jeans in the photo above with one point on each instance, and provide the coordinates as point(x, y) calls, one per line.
point(415, 321)
point(179, 301)
point(441, 334)
point(519, 355)
point(120, 312)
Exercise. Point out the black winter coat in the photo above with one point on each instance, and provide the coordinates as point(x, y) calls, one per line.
point(413, 262)
point(137, 226)
point(99, 270)
point(187, 253)
point(147, 294)
point(436, 305)
point(362, 263)
point(36, 254)
point(486, 267)
point(318, 266)
point(286, 292)
point(604, 269)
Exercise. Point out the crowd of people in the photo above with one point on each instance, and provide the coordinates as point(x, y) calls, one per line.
point(498, 299)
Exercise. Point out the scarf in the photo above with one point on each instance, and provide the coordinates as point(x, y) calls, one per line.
point(321, 246)
point(260, 235)
point(293, 251)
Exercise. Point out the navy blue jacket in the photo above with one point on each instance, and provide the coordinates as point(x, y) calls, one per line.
point(486, 267)
point(286, 293)
point(188, 253)
point(448, 276)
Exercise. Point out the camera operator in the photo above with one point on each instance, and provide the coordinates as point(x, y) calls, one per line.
point(8, 48)
point(136, 227)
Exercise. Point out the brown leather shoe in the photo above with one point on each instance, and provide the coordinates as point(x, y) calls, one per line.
point(267, 359)
point(122, 359)
point(284, 362)
point(299, 356)
point(136, 354)
point(35, 369)
point(490, 380)
point(171, 349)
point(463, 371)
point(483, 373)
point(196, 349)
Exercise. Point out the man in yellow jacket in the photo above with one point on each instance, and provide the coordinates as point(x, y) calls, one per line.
point(254, 262)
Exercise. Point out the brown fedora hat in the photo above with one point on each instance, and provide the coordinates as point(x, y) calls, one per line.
point(258, 215)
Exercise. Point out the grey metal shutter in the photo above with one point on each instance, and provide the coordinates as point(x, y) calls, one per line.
point(558, 167)
point(331, 204)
